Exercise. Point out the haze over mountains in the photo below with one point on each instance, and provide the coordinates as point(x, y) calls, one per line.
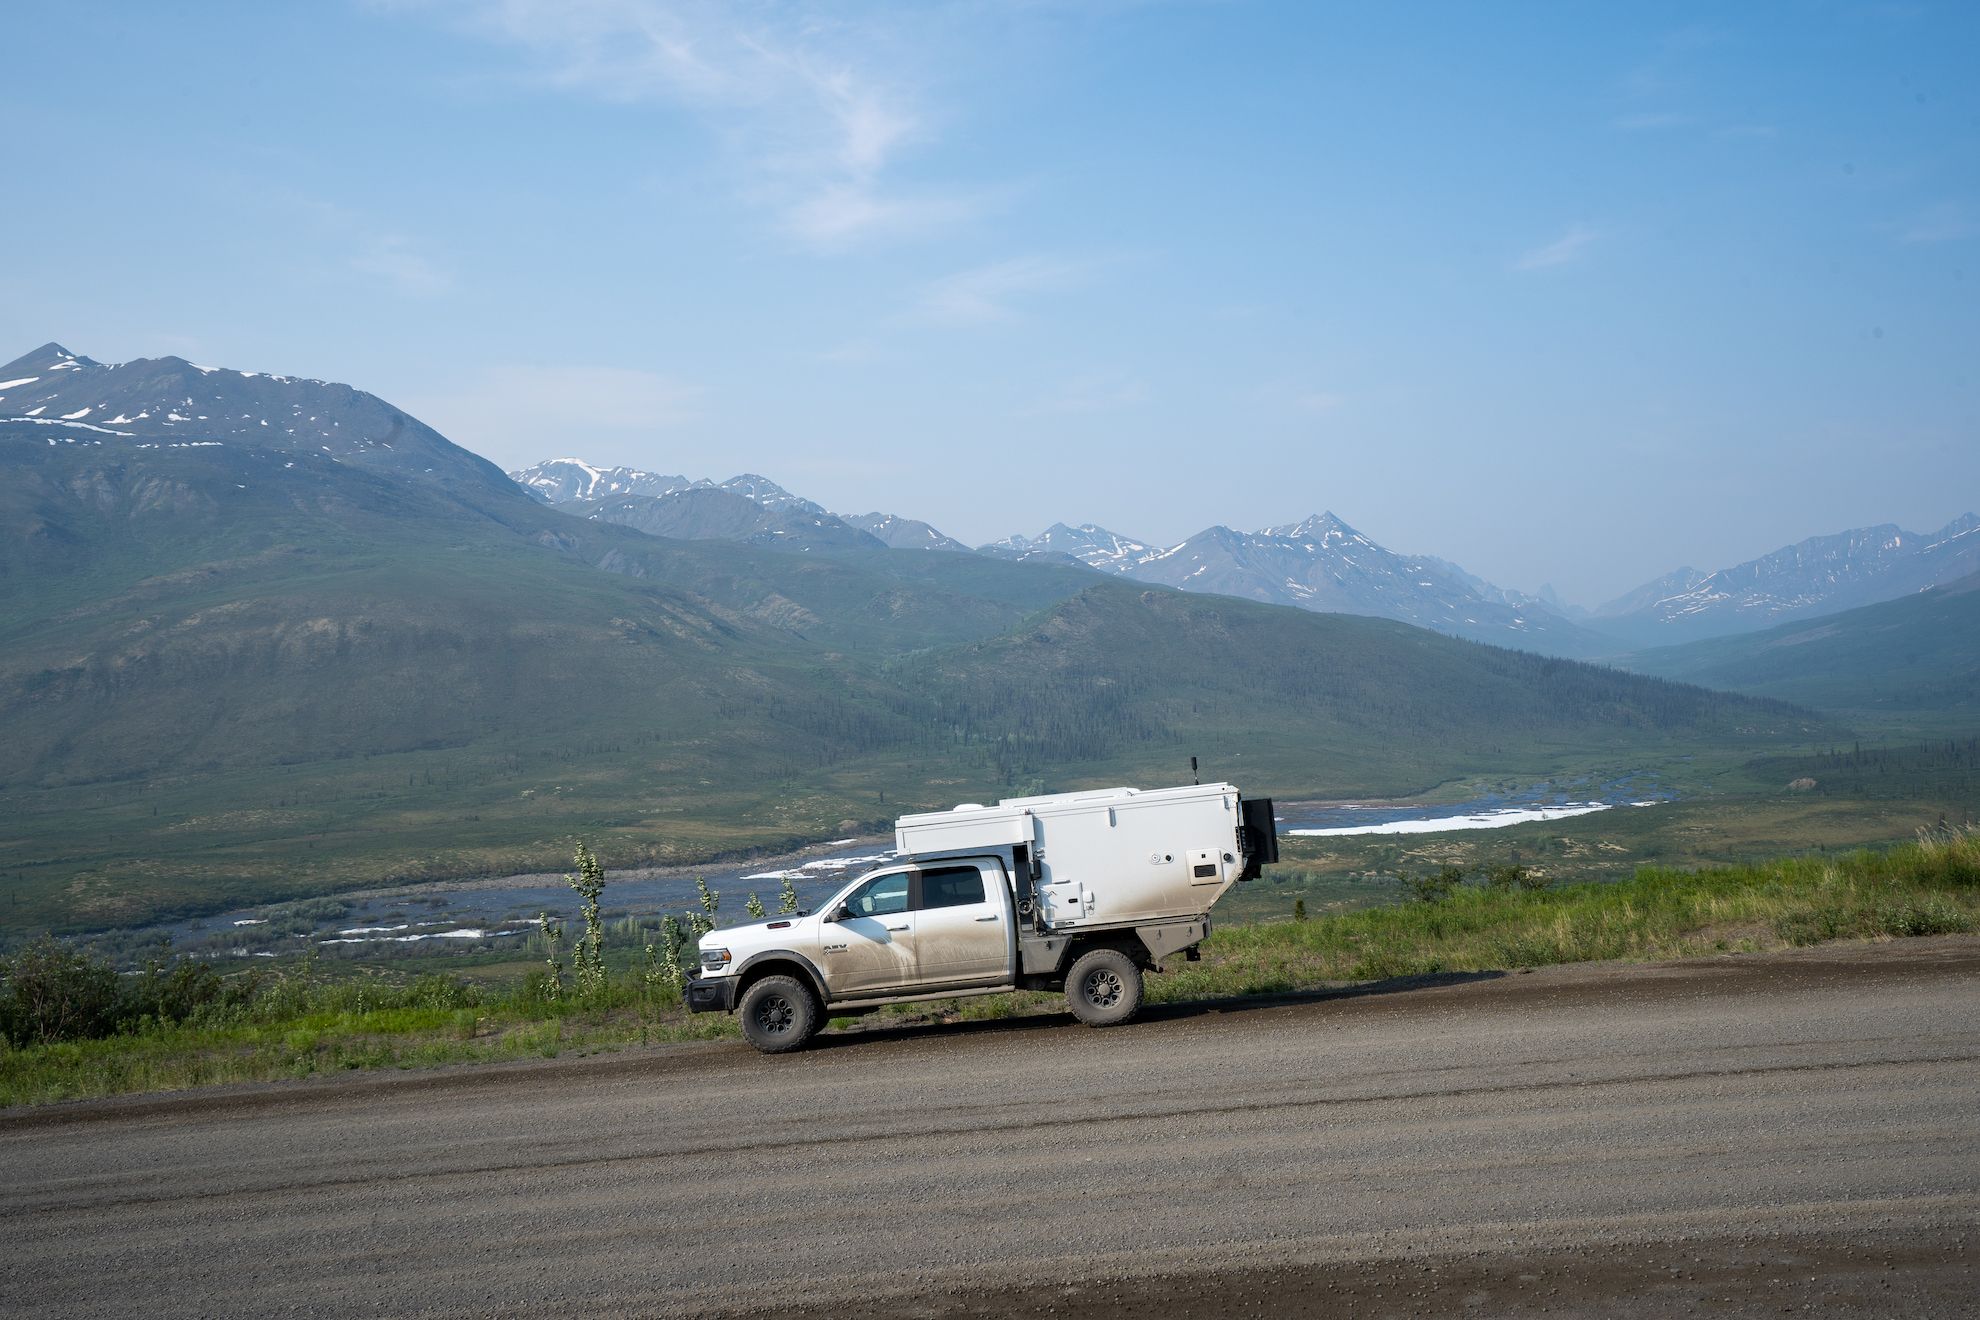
point(1821, 575)
point(263, 635)
point(1325, 565)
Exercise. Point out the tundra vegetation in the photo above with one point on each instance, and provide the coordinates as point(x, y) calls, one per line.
point(71, 1025)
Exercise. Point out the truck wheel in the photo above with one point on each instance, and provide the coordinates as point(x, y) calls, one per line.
point(1103, 988)
point(778, 1014)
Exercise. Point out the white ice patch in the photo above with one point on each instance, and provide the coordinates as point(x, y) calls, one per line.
point(1484, 820)
point(252, 921)
point(32, 420)
point(24, 380)
point(77, 415)
point(465, 933)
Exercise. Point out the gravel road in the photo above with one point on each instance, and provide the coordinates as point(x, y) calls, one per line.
point(1742, 1135)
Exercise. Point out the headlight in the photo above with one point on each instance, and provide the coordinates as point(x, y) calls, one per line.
point(712, 958)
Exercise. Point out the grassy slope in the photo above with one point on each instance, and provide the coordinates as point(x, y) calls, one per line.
point(297, 1027)
point(227, 678)
point(1918, 657)
point(1289, 703)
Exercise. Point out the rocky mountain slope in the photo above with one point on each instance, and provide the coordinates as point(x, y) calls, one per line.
point(1821, 575)
point(1324, 565)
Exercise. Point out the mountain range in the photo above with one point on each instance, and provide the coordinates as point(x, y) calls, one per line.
point(1821, 575)
point(1325, 565)
point(1919, 652)
point(263, 636)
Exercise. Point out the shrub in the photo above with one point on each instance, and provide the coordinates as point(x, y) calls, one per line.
point(50, 991)
point(175, 994)
point(1434, 888)
point(1924, 916)
point(1514, 876)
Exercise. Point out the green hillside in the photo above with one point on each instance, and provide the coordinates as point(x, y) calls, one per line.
point(234, 672)
point(1296, 703)
point(1919, 656)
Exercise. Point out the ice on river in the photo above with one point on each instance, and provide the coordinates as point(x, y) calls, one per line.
point(1481, 820)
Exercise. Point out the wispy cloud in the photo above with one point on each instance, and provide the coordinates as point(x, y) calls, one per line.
point(1943, 223)
point(989, 294)
point(793, 95)
point(1093, 392)
point(1651, 121)
point(518, 414)
point(1570, 247)
point(393, 260)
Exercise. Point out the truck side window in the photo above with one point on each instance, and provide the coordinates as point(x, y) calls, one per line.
point(880, 896)
point(951, 886)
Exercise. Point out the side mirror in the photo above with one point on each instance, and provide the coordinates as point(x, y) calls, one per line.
point(838, 913)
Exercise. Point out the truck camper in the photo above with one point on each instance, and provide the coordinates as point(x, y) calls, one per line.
point(1073, 892)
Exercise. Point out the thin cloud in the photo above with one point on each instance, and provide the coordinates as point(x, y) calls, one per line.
point(1093, 392)
point(816, 132)
point(1651, 121)
point(1317, 401)
point(990, 294)
point(393, 261)
point(521, 413)
point(1944, 223)
point(1570, 247)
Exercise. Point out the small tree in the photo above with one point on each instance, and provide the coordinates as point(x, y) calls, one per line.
point(670, 951)
point(755, 908)
point(553, 940)
point(1515, 876)
point(1299, 909)
point(787, 901)
point(700, 923)
point(589, 957)
point(1433, 888)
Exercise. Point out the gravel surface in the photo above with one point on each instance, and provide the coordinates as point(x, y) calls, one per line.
point(1732, 1136)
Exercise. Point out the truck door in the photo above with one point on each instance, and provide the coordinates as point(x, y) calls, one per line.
point(870, 950)
point(962, 926)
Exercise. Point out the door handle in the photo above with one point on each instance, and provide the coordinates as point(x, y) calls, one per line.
point(991, 917)
point(897, 927)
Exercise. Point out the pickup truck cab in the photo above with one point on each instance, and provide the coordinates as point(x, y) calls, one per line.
point(992, 915)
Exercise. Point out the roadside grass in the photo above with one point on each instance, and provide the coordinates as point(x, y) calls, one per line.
point(1930, 887)
point(299, 1026)
point(303, 1029)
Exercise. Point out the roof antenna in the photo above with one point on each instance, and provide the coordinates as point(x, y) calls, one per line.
point(1192, 771)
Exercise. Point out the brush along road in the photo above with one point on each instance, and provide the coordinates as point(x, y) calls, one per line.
point(1740, 1134)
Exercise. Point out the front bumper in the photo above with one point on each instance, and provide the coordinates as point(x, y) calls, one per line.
point(711, 994)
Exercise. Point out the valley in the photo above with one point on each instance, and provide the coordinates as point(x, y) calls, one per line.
point(245, 663)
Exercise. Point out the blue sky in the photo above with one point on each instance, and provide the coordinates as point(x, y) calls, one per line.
point(1567, 293)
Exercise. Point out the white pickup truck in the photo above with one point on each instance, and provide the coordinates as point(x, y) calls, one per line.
point(1075, 891)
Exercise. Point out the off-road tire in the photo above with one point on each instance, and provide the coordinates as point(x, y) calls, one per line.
point(1103, 989)
point(779, 1014)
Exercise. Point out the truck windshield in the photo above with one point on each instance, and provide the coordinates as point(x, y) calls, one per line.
point(879, 896)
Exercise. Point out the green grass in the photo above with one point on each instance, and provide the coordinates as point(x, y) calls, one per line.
point(302, 1027)
point(1926, 888)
